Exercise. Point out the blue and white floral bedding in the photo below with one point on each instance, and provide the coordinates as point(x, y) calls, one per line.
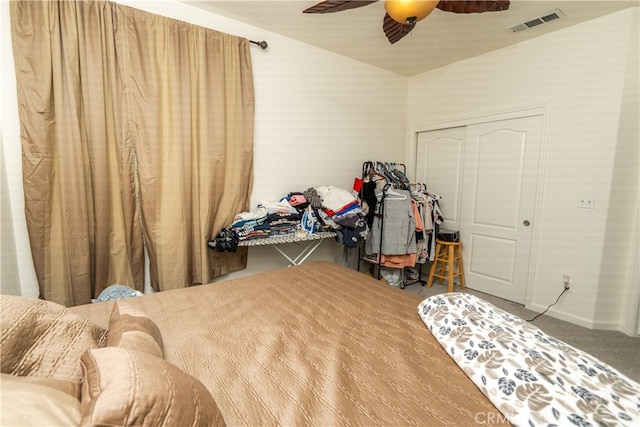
point(531, 377)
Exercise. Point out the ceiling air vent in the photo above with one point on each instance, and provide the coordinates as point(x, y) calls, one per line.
point(544, 19)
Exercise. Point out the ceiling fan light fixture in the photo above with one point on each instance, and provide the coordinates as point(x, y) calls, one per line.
point(409, 11)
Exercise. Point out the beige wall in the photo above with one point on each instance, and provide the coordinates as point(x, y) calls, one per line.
point(9, 278)
point(620, 264)
point(581, 78)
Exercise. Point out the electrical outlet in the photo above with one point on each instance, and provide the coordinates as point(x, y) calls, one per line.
point(566, 281)
point(586, 202)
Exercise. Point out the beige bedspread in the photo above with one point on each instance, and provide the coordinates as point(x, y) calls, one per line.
point(316, 344)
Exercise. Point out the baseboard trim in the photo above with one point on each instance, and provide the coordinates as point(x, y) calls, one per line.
point(576, 320)
point(580, 321)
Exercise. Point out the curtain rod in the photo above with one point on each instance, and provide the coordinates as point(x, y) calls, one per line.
point(263, 44)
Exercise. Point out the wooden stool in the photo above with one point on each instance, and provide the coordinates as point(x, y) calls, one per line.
point(444, 264)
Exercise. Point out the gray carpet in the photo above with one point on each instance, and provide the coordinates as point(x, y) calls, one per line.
point(615, 348)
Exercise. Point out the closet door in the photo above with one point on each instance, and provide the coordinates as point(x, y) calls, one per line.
point(439, 165)
point(499, 185)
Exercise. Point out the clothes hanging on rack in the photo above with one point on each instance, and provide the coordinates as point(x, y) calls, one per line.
point(386, 173)
point(432, 217)
point(369, 201)
point(378, 176)
point(391, 216)
point(393, 229)
point(403, 219)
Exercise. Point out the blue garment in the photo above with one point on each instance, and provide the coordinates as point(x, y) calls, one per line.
point(309, 221)
point(117, 292)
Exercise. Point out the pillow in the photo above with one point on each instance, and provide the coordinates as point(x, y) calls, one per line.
point(133, 329)
point(32, 401)
point(72, 388)
point(44, 339)
point(125, 387)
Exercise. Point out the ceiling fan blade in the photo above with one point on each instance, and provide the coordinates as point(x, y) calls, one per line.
point(331, 6)
point(395, 30)
point(473, 6)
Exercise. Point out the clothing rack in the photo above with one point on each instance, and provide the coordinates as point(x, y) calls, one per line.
point(384, 182)
point(395, 176)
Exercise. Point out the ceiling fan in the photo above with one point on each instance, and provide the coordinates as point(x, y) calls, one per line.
point(401, 15)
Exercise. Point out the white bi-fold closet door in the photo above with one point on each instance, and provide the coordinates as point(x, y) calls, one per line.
point(487, 175)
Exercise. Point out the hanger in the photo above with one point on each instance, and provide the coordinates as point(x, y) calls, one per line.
point(394, 194)
point(375, 171)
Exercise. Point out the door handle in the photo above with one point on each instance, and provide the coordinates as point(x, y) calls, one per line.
point(526, 223)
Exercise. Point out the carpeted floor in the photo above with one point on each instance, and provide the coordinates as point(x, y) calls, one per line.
point(615, 348)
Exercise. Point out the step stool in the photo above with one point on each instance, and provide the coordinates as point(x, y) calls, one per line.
point(448, 254)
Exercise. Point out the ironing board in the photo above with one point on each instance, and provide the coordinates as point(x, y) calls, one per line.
point(315, 240)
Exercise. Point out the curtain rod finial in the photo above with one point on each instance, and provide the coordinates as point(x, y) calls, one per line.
point(263, 44)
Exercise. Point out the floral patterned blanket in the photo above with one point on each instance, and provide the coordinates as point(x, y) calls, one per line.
point(531, 377)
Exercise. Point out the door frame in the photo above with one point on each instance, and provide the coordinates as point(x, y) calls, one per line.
point(505, 114)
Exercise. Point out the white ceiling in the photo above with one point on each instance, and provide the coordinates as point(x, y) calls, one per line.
point(441, 38)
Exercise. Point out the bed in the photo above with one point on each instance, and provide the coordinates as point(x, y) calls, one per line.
point(319, 344)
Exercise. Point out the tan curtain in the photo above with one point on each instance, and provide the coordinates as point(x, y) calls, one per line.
point(82, 222)
point(123, 123)
point(191, 95)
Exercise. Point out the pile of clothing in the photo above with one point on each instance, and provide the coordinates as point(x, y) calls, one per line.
point(342, 211)
point(326, 208)
point(268, 219)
